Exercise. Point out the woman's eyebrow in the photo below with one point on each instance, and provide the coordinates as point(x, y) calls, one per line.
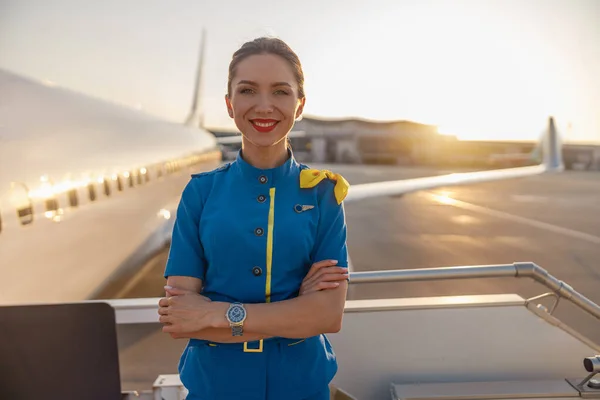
point(252, 83)
point(281, 84)
point(244, 82)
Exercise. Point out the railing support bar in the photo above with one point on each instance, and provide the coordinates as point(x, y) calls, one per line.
point(518, 270)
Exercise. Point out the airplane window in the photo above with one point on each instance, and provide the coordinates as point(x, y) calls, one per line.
point(0, 221)
point(92, 192)
point(25, 215)
point(119, 184)
point(51, 204)
point(138, 178)
point(19, 198)
point(106, 184)
point(130, 179)
point(159, 172)
point(73, 198)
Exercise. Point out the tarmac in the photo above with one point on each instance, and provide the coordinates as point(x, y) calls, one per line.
point(552, 220)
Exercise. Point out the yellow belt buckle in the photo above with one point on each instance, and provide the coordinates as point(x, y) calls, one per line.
point(259, 350)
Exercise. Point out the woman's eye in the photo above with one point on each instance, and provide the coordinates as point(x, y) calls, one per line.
point(281, 92)
point(246, 91)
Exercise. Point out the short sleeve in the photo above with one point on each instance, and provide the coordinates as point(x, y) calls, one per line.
point(186, 255)
point(330, 242)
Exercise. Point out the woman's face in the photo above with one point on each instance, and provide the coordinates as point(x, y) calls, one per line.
point(264, 99)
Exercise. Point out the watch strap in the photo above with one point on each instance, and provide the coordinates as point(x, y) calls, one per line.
point(237, 330)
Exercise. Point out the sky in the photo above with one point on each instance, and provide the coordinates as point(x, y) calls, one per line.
point(478, 69)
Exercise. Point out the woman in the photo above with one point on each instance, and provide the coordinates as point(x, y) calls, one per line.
point(263, 238)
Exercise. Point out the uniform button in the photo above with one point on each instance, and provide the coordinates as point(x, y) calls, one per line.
point(262, 179)
point(258, 231)
point(261, 198)
point(257, 271)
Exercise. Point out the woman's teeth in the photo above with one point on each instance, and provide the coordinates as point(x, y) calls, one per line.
point(265, 124)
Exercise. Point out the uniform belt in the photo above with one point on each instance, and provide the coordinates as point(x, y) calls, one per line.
point(255, 346)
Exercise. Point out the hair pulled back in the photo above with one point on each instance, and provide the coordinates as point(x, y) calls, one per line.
point(267, 45)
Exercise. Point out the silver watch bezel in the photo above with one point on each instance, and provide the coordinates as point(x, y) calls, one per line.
point(236, 327)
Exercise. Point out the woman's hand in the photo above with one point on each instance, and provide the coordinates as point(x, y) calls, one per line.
point(184, 311)
point(323, 275)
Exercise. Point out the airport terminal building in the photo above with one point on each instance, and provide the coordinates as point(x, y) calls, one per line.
point(363, 141)
point(359, 141)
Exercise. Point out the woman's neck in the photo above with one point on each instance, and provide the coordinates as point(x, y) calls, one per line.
point(265, 157)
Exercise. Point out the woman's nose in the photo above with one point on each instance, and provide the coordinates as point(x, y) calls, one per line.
point(264, 104)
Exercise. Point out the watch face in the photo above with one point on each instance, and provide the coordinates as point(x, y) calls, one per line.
point(236, 314)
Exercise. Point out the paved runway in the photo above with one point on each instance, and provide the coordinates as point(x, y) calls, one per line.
point(552, 220)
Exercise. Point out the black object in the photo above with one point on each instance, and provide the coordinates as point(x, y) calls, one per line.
point(59, 351)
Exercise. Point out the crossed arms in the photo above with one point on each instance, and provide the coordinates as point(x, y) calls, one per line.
point(318, 309)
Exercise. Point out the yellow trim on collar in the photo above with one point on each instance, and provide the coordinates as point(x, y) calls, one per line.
point(311, 177)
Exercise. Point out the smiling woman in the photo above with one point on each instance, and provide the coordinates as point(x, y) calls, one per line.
point(265, 96)
point(257, 270)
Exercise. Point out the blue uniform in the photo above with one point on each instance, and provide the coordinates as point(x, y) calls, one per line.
point(252, 235)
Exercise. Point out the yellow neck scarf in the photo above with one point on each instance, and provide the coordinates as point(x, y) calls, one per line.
point(311, 177)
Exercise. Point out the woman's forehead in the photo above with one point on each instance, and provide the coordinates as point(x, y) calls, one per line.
point(264, 69)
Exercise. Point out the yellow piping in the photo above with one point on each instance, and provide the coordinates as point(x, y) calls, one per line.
point(270, 244)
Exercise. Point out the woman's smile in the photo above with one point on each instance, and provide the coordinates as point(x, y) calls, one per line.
point(264, 125)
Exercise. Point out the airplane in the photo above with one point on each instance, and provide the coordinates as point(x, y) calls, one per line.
point(88, 188)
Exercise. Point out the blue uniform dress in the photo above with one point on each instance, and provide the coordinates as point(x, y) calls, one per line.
point(252, 235)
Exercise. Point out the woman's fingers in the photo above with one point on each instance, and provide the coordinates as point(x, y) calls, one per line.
point(324, 281)
point(328, 273)
point(164, 302)
point(320, 286)
point(318, 265)
point(326, 270)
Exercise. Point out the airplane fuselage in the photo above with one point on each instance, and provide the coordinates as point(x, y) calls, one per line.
point(87, 188)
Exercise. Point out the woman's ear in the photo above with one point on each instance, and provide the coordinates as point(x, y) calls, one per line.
point(228, 105)
point(300, 109)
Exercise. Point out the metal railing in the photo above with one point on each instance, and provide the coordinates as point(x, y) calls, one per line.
point(559, 288)
point(144, 310)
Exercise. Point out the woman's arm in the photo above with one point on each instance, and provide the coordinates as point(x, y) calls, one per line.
point(192, 286)
point(323, 277)
point(187, 283)
point(301, 317)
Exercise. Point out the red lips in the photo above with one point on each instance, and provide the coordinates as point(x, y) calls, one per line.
point(264, 125)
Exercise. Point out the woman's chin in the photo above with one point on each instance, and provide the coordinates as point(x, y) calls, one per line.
point(264, 140)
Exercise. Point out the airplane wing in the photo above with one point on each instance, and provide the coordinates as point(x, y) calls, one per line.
point(551, 162)
point(404, 186)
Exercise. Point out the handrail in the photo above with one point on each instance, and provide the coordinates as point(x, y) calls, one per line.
point(517, 270)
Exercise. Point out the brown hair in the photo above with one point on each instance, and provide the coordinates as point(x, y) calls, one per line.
point(267, 45)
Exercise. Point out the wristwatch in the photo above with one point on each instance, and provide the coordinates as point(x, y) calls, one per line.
point(236, 315)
